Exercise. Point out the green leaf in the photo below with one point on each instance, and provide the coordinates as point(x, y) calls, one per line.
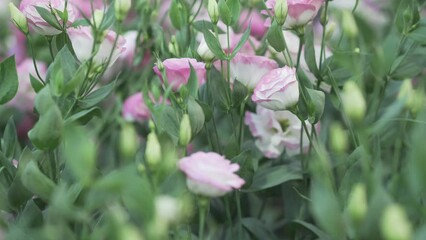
point(310, 52)
point(318, 101)
point(193, 83)
point(10, 139)
point(96, 96)
point(418, 34)
point(207, 110)
point(35, 181)
point(271, 177)
point(31, 216)
point(167, 121)
point(275, 37)
point(247, 166)
point(214, 45)
point(108, 20)
point(178, 14)
point(218, 89)
point(62, 72)
point(239, 93)
point(235, 8)
point(321, 234)
point(408, 66)
point(48, 17)
point(196, 116)
point(84, 116)
point(36, 84)
point(242, 41)
point(225, 12)
point(8, 80)
point(259, 229)
point(203, 25)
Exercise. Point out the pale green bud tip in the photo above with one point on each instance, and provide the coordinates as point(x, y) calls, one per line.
point(357, 204)
point(97, 17)
point(153, 149)
point(395, 224)
point(18, 18)
point(121, 8)
point(128, 141)
point(338, 139)
point(353, 101)
point(281, 9)
point(213, 10)
point(349, 25)
point(185, 131)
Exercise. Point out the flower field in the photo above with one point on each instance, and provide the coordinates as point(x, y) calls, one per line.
point(212, 119)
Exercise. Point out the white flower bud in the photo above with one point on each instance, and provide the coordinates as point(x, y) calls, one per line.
point(18, 18)
point(281, 10)
point(353, 101)
point(394, 224)
point(121, 8)
point(213, 10)
point(97, 17)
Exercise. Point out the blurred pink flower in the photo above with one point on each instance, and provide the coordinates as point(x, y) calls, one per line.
point(210, 174)
point(85, 7)
point(300, 12)
point(249, 69)
point(276, 131)
point(28, 7)
point(258, 28)
point(82, 42)
point(178, 71)
point(278, 89)
point(135, 109)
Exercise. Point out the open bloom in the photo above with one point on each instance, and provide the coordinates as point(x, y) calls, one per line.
point(210, 174)
point(28, 7)
point(278, 89)
point(178, 71)
point(82, 41)
point(276, 131)
point(249, 69)
point(300, 12)
point(85, 6)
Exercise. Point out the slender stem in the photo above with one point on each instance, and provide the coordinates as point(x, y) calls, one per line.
point(49, 40)
point(324, 28)
point(204, 208)
point(33, 57)
point(227, 210)
point(240, 225)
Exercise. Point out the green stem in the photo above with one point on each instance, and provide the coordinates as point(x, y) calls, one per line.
point(240, 225)
point(322, 51)
point(33, 57)
point(204, 208)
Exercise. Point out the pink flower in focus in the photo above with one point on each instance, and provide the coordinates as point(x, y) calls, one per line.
point(24, 99)
point(28, 7)
point(278, 89)
point(82, 42)
point(178, 71)
point(276, 131)
point(300, 12)
point(249, 69)
point(135, 109)
point(210, 174)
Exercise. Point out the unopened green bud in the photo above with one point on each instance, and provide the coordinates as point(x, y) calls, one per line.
point(213, 10)
point(357, 203)
point(173, 46)
point(349, 25)
point(18, 18)
point(353, 101)
point(153, 150)
point(330, 28)
point(129, 232)
point(324, 18)
point(338, 138)
point(121, 8)
point(281, 10)
point(185, 131)
point(406, 92)
point(395, 224)
point(97, 17)
point(160, 65)
point(128, 141)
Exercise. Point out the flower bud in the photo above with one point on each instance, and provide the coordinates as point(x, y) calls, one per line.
point(281, 10)
point(349, 25)
point(394, 224)
point(173, 46)
point(128, 141)
point(329, 30)
point(153, 150)
point(97, 17)
point(357, 203)
point(338, 138)
point(213, 10)
point(185, 131)
point(121, 8)
point(18, 19)
point(204, 51)
point(353, 101)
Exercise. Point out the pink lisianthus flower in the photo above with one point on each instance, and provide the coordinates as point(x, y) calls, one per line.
point(210, 174)
point(249, 69)
point(278, 89)
point(82, 41)
point(255, 19)
point(300, 12)
point(135, 109)
point(85, 6)
point(178, 71)
point(276, 131)
point(38, 24)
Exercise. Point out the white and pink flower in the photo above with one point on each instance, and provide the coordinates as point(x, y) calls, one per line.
point(300, 12)
point(278, 89)
point(210, 174)
point(135, 109)
point(249, 69)
point(276, 131)
point(82, 41)
point(38, 24)
point(178, 71)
